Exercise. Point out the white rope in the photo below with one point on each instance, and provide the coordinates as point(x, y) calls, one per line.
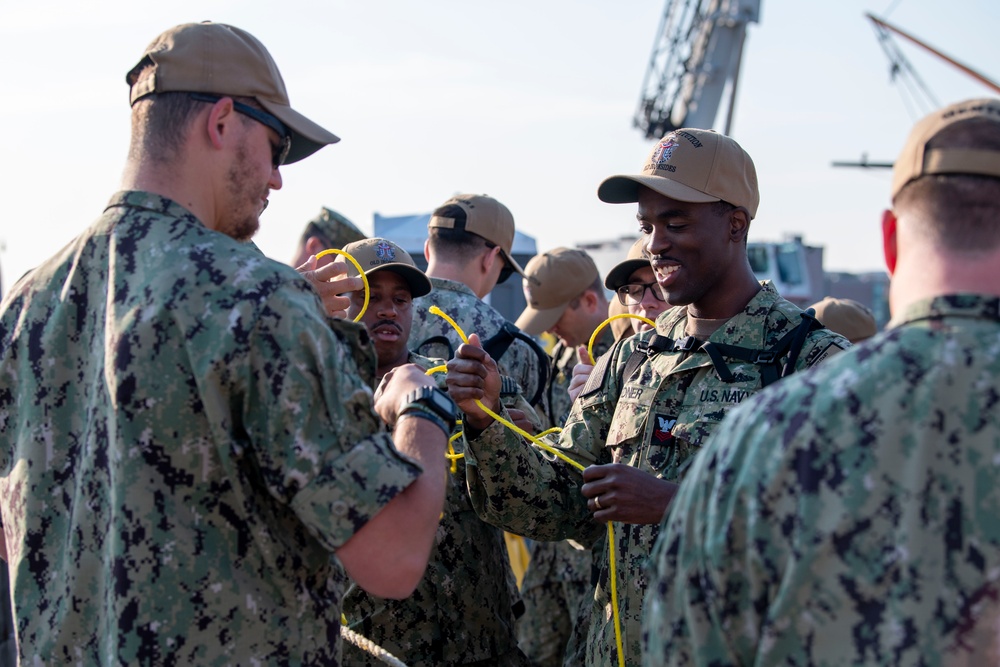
point(371, 647)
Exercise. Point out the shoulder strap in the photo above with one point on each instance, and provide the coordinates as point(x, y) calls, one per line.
point(769, 360)
point(645, 349)
point(501, 341)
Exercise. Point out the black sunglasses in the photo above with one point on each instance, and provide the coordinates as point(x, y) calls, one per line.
point(279, 152)
point(508, 268)
point(631, 294)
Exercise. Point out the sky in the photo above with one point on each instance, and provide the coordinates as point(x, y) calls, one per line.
point(529, 101)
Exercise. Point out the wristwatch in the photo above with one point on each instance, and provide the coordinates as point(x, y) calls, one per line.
point(437, 401)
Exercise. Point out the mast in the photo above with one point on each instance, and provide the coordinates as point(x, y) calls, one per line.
point(948, 59)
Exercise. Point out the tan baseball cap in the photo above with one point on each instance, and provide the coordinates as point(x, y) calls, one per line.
point(220, 59)
point(637, 258)
point(852, 320)
point(916, 160)
point(552, 280)
point(691, 165)
point(485, 217)
point(379, 254)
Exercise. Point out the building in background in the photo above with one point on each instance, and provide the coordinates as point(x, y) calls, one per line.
point(410, 231)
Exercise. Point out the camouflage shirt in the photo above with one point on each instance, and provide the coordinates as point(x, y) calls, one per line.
point(475, 316)
point(563, 359)
point(655, 420)
point(850, 515)
point(463, 608)
point(185, 440)
point(558, 575)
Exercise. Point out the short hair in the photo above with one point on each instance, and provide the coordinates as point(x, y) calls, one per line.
point(957, 212)
point(454, 245)
point(160, 121)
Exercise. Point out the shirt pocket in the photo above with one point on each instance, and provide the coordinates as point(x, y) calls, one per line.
point(628, 425)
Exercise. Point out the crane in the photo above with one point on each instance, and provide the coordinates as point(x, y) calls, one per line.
point(696, 54)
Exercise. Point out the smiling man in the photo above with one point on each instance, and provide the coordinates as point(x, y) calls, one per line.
point(652, 401)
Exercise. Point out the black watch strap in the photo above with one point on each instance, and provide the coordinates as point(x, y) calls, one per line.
point(437, 401)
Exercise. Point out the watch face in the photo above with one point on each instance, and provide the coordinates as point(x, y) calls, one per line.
point(443, 402)
point(436, 400)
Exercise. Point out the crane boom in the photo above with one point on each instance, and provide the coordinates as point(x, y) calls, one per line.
point(951, 61)
point(696, 55)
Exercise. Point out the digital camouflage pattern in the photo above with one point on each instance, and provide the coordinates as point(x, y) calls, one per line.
point(463, 610)
point(186, 440)
point(558, 577)
point(475, 316)
point(655, 420)
point(849, 515)
point(563, 358)
point(555, 587)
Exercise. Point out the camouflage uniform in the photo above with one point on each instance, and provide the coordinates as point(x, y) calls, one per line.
point(850, 515)
point(558, 577)
point(564, 358)
point(464, 607)
point(475, 316)
point(655, 420)
point(179, 423)
point(556, 586)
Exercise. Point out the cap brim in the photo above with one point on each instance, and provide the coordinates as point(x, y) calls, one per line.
point(618, 276)
point(307, 136)
point(623, 189)
point(420, 284)
point(534, 322)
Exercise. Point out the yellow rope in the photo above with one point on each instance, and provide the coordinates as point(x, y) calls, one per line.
point(361, 272)
point(620, 316)
point(552, 450)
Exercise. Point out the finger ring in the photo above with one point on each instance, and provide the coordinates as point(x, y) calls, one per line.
point(597, 502)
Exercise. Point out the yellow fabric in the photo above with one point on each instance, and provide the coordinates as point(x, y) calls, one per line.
point(519, 556)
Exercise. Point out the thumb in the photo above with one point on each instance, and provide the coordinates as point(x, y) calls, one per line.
point(309, 265)
point(581, 351)
point(474, 340)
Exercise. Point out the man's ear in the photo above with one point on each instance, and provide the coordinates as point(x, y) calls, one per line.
point(489, 257)
point(739, 224)
point(427, 250)
point(220, 121)
point(889, 249)
point(314, 245)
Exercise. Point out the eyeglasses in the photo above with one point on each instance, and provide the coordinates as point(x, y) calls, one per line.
point(632, 294)
point(279, 152)
point(507, 269)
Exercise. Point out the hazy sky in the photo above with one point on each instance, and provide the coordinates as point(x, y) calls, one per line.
point(530, 102)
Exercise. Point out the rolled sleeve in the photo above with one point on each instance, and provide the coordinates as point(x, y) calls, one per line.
point(352, 488)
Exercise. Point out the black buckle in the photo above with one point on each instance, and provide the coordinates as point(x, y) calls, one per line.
point(764, 357)
point(685, 344)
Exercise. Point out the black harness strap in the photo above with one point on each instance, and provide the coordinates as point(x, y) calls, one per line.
point(768, 360)
point(656, 344)
point(500, 342)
